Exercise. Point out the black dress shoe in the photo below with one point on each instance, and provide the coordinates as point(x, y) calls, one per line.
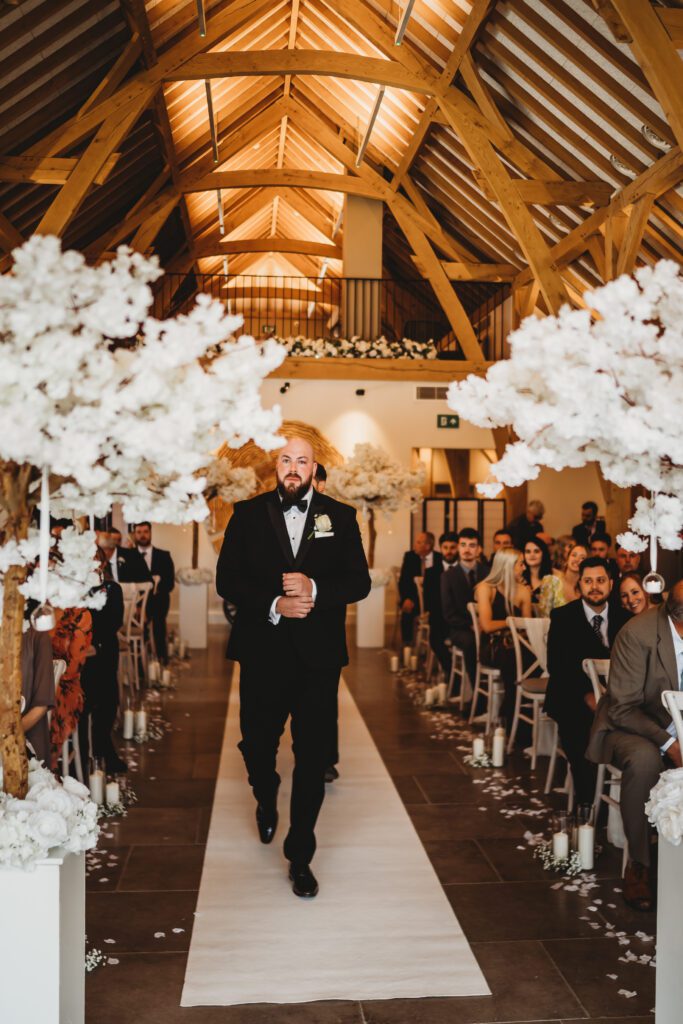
point(266, 819)
point(331, 774)
point(304, 883)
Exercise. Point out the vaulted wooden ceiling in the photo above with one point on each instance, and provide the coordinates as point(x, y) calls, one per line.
point(528, 141)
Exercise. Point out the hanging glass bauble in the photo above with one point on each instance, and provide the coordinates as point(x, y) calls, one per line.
point(43, 618)
point(653, 583)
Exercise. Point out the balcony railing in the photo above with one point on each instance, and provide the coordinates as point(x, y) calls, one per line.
point(334, 307)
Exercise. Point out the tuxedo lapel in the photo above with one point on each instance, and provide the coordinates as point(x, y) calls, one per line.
point(278, 521)
point(315, 508)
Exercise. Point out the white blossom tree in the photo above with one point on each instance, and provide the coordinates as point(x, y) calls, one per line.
point(375, 483)
point(601, 385)
point(116, 406)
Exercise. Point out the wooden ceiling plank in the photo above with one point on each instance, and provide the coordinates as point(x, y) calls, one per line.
point(657, 57)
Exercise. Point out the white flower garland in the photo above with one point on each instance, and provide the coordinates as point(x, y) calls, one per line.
point(51, 816)
point(358, 348)
point(664, 809)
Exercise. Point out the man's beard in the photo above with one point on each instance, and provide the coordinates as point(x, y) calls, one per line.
point(596, 603)
point(294, 493)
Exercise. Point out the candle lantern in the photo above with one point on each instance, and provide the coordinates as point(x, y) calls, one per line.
point(561, 829)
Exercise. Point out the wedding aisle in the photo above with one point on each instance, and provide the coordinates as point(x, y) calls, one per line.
point(381, 926)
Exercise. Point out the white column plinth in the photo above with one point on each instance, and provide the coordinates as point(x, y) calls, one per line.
point(42, 942)
point(669, 1002)
point(194, 603)
point(370, 625)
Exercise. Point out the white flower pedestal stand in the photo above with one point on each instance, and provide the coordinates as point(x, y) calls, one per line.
point(669, 1001)
point(194, 604)
point(42, 941)
point(370, 624)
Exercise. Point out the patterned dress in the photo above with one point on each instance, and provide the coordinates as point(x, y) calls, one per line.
point(71, 639)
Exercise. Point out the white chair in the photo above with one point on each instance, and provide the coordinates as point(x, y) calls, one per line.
point(487, 681)
point(673, 702)
point(422, 634)
point(529, 635)
point(71, 748)
point(609, 777)
point(459, 671)
point(568, 784)
point(132, 646)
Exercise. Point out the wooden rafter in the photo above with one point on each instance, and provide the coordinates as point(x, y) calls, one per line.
point(221, 247)
point(561, 193)
point(48, 171)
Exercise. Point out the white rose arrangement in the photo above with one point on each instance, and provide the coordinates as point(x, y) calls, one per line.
point(356, 348)
point(664, 809)
point(52, 815)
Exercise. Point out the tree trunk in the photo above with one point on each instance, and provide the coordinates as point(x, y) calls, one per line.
point(195, 545)
point(372, 538)
point(12, 745)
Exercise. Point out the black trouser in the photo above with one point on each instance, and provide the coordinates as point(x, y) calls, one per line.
point(408, 626)
point(574, 735)
point(437, 642)
point(268, 697)
point(101, 701)
point(158, 606)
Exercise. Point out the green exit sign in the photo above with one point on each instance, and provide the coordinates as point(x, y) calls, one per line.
point(447, 421)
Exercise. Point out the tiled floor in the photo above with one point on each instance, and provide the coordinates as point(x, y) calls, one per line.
point(541, 957)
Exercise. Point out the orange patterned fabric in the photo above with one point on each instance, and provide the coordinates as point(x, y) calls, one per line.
point(71, 639)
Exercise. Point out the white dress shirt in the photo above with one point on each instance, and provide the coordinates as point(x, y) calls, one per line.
point(295, 522)
point(147, 555)
point(114, 565)
point(590, 615)
point(678, 651)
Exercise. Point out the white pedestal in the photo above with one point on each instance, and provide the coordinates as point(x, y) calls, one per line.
point(669, 917)
point(194, 603)
point(370, 625)
point(42, 942)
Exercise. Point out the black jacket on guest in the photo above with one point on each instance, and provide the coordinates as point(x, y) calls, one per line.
point(571, 639)
point(432, 598)
point(457, 592)
point(412, 567)
point(257, 551)
point(131, 566)
point(162, 566)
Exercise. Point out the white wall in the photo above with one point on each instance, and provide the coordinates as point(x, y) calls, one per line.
point(564, 493)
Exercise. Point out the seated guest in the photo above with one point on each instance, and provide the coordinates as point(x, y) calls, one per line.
point(633, 729)
point(159, 563)
point(631, 593)
point(537, 565)
point(591, 524)
point(561, 588)
point(37, 691)
point(501, 539)
point(560, 549)
point(438, 630)
point(415, 563)
point(527, 526)
point(503, 592)
point(599, 548)
point(126, 564)
point(457, 589)
point(70, 642)
point(584, 628)
point(99, 677)
point(320, 479)
point(627, 561)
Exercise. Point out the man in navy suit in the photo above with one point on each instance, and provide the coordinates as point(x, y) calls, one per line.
point(292, 560)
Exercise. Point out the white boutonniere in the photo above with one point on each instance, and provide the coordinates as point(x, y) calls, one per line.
point(322, 527)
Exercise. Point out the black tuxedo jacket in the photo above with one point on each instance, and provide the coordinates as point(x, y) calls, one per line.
point(256, 552)
point(456, 593)
point(131, 566)
point(162, 566)
point(570, 640)
point(412, 567)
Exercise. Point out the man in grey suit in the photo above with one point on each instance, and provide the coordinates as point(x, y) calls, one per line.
point(633, 729)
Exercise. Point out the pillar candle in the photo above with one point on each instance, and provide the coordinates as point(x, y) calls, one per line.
point(128, 724)
point(429, 696)
point(560, 845)
point(140, 722)
point(477, 746)
point(443, 691)
point(182, 649)
point(413, 662)
point(153, 671)
point(498, 748)
point(407, 651)
point(97, 786)
point(166, 677)
point(586, 846)
point(113, 795)
point(393, 663)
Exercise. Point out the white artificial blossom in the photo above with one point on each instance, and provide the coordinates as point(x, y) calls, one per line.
point(602, 386)
point(227, 482)
point(371, 479)
point(665, 806)
point(119, 406)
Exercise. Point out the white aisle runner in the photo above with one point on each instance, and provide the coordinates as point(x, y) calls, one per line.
point(381, 926)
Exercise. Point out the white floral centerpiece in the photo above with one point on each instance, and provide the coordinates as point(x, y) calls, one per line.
point(358, 348)
point(664, 809)
point(374, 482)
point(52, 815)
point(601, 384)
point(100, 402)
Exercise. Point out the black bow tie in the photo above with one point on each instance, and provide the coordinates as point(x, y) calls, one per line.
point(300, 503)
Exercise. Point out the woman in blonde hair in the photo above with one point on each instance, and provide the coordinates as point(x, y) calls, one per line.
point(503, 592)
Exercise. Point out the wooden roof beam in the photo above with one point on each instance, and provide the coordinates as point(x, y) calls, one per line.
point(498, 272)
point(672, 20)
point(555, 193)
point(220, 247)
point(49, 170)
